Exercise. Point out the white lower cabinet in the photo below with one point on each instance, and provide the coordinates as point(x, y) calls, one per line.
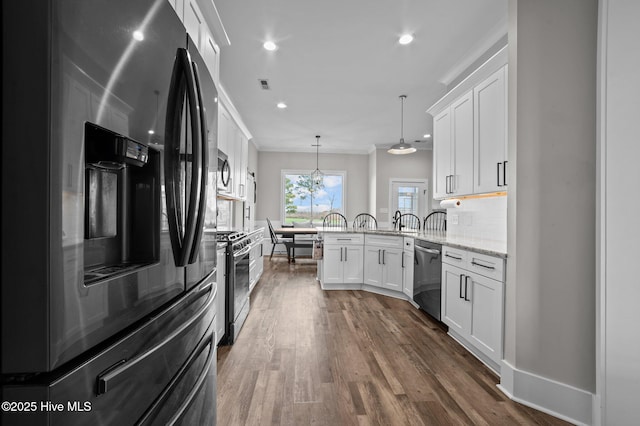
point(342, 260)
point(383, 262)
point(407, 267)
point(472, 305)
point(256, 265)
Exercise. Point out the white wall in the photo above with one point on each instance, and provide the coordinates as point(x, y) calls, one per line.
point(271, 164)
point(252, 164)
point(409, 166)
point(550, 289)
point(373, 181)
point(619, 340)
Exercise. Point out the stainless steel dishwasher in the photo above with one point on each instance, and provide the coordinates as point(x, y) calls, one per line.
point(427, 277)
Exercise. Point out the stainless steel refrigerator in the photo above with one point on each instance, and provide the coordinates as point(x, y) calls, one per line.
point(108, 294)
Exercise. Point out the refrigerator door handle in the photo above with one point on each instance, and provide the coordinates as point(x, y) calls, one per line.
point(149, 416)
point(118, 373)
point(202, 172)
point(182, 82)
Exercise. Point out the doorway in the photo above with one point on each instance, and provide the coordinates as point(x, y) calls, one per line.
point(408, 196)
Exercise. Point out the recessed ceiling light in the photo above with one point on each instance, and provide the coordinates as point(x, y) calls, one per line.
point(137, 35)
point(151, 132)
point(281, 105)
point(406, 39)
point(269, 45)
point(427, 135)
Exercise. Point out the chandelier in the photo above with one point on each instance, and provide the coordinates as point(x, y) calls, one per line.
point(317, 176)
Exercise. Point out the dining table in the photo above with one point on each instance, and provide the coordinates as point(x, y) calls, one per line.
point(292, 232)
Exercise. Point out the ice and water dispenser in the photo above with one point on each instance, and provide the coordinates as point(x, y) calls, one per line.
point(122, 204)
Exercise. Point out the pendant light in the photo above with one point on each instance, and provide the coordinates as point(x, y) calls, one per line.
point(317, 176)
point(402, 147)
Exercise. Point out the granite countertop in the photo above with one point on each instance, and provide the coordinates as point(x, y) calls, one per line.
point(480, 245)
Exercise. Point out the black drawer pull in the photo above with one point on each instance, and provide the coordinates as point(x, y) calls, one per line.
point(473, 262)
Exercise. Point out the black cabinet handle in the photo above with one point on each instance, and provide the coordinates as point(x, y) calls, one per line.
point(453, 257)
point(466, 288)
point(460, 287)
point(345, 253)
point(473, 262)
point(504, 172)
point(379, 256)
point(383, 257)
point(498, 173)
point(340, 254)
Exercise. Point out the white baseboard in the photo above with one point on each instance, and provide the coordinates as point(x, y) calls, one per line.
point(325, 286)
point(491, 364)
point(557, 399)
point(384, 292)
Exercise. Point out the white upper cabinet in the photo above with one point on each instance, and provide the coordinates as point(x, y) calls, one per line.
point(461, 181)
point(453, 149)
point(233, 141)
point(490, 133)
point(193, 17)
point(470, 133)
point(441, 153)
point(194, 22)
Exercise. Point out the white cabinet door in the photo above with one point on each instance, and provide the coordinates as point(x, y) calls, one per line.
point(224, 126)
point(236, 167)
point(456, 311)
point(486, 315)
point(243, 164)
point(462, 145)
point(353, 265)
point(194, 22)
point(178, 6)
point(441, 153)
point(210, 54)
point(407, 272)
point(490, 133)
point(222, 291)
point(373, 266)
point(392, 269)
point(332, 264)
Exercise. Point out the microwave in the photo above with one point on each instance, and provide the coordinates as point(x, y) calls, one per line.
point(224, 173)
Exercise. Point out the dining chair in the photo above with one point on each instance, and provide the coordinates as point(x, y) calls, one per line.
point(365, 221)
point(408, 221)
point(275, 240)
point(436, 221)
point(334, 220)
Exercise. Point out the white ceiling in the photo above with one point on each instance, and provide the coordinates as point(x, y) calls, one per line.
point(340, 69)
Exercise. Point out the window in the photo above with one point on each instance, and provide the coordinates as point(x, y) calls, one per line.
point(302, 202)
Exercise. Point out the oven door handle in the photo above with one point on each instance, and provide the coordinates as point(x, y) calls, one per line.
point(242, 252)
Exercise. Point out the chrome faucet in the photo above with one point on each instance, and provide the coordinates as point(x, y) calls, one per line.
point(396, 220)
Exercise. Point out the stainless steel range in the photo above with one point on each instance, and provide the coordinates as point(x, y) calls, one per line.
point(239, 244)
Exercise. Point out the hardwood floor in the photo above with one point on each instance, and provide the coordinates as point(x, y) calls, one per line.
point(307, 356)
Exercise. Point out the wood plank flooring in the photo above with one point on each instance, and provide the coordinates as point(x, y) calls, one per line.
point(307, 356)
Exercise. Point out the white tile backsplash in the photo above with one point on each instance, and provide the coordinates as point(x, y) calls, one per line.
point(479, 218)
